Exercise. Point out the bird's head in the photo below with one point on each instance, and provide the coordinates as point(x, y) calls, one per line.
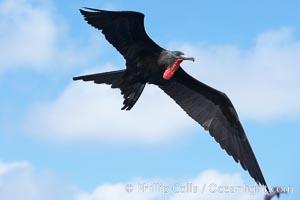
point(174, 58)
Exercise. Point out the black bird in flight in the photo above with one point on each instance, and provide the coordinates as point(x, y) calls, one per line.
point(147, 62)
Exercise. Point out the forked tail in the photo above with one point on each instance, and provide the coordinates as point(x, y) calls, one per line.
point(131, 91)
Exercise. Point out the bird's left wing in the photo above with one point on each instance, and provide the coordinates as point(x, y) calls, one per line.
point(214, 111)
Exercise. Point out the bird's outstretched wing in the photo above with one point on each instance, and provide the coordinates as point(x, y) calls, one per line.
point(214, 111)
point(124, 30)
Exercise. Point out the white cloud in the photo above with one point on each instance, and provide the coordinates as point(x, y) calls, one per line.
point(214, 185)
point(86, 111)
point(262, 82)
point(33, 35)
point(20, 181)
point(208, 185)
point(28, 33)
point(116, 192)
point(7, 167)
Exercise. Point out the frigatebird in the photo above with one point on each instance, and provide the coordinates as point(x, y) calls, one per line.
point(148, 63)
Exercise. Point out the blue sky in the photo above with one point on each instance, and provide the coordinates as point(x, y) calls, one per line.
point(71, 137)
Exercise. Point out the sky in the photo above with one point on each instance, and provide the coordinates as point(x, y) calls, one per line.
point(68, 140)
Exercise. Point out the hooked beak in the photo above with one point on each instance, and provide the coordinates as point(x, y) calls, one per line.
point(187, 58)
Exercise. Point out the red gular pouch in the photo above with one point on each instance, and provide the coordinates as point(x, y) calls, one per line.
point(169, 72)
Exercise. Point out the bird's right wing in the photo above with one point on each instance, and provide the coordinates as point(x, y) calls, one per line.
point(124, 30)
point(214, 111)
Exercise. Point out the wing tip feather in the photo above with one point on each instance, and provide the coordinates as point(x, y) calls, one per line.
point(76, 78)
